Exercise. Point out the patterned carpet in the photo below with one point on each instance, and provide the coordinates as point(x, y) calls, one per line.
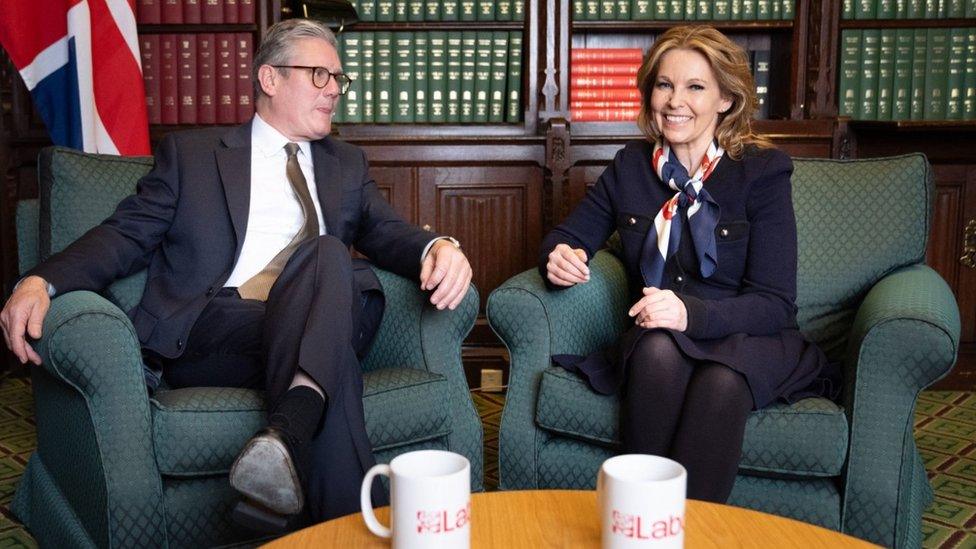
point(945, 428)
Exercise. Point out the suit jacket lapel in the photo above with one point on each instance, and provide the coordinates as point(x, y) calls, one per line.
point(234, 164)
point(328, 185)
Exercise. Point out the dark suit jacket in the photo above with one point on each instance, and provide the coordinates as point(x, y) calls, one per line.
point(187, 220)
point(753, 291)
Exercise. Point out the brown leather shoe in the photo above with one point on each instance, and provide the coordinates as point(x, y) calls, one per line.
point(265, 472)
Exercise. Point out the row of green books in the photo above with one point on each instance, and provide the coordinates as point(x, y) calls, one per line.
point(451, 77)
point(439, 10)
point(908, 74)
point(908, 9)
point(683, 10)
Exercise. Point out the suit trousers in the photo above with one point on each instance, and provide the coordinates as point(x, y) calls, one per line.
point(320, 316)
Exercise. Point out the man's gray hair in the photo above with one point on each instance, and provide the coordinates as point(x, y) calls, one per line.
point(276, 49)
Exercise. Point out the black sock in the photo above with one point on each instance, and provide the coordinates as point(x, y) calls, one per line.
point(297, 415)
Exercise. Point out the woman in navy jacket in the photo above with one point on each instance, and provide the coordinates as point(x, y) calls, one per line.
point(706, 223)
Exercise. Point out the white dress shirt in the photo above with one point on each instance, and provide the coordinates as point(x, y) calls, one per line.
point(274, 214)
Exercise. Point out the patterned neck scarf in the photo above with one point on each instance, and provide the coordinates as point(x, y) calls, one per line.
point(691, 201)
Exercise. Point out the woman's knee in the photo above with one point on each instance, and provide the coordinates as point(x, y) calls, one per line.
point(722, 386)
point(656, 357)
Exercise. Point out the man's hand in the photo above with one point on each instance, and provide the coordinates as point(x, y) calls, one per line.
point(567, 266)
point(446, 269)
point(660, 309)
point(24, 312)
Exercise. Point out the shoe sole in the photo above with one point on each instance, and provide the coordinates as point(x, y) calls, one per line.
point(265, 473)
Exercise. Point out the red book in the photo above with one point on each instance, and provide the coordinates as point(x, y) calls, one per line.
point(192, 12)
point(603, 115)
point(149, 52)
point(213, 11)
point(607, 55)
point(602, 82)
point(172, 11)
point(206, 79)
point(187, 50)
point(230, 11)
point(226, 84)
point(245, 91)
point(604, 104)
point(168, 89)
point(148, 12)
point(245, 11)
point(605, 94)
point(604, 69)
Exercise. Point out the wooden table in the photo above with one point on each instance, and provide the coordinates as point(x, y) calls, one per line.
point(568, 518)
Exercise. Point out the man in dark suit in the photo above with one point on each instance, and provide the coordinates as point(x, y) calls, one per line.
point(246, 234)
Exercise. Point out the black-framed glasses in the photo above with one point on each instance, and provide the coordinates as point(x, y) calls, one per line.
point(321, 76)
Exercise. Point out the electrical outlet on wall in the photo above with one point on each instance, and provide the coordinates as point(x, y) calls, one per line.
point(491, 380)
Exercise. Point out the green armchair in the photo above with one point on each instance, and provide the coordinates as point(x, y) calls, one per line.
point(115, 467)
point(865, 296)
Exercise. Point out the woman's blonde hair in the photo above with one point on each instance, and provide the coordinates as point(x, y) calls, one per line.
point(731, 67)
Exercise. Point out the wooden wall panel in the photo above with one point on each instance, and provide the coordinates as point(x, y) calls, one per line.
point(945, 238)
point(399, 186)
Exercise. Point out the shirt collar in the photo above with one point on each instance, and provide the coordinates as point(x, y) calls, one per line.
point(268, 141)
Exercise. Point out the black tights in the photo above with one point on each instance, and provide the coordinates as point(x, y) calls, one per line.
point(695, 413)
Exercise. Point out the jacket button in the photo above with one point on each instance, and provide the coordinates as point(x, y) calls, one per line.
point(724, 232)
point(631, 221)
point(179, 343)
point(210, 291)
point(679, 279)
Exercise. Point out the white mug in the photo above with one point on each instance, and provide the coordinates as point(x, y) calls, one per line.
point(430, 500)
point(642, 502)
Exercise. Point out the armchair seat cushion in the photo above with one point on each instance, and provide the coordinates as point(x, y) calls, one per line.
point(806, 439)
point(199, 431)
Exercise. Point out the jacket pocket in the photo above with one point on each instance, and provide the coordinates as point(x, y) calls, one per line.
point(633, 222)
point(731, 231)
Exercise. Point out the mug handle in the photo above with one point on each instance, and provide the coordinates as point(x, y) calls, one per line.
point(366, 504)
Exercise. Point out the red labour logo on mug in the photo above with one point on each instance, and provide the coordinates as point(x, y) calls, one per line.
point(442, 521)
point(637, 527)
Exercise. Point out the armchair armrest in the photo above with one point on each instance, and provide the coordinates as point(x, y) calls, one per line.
point(414, 334)
point(905, 336)
point(535, 323)
point(92, 394)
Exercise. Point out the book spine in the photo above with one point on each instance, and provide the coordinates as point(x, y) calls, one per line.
point(606, 94)
point(847, 9)
point(367, 10)
point(602, 81)
point(513, 96)
point(338, 107)
point(469, 10)
point(789, 10)
point(969, 80)
point(192, 12)
point(416, 10)
point(518, 10)
point(970, 9)
point(450, 10)
point(676, 9)
point(486, 10)
point(368, 67)
point(886, 73)
point(231, 12)
point(661, 9)
point(916, 9)
point(245, 13)
point(384, 11)
point(213, 12)
point(149, 12)
point(383, 93)
point(956, 9)
point(596, 69)
point(954, 83)
point(169, 77)
point(432, 10)
point(641, 10)
point(592, 10)
point(421, 78)
point(352, 65)
point(579, 10)
point(499, 75)
point(606, 55)
point(931, 9)
point(777, 7)
point(482, 76)
point(761, 63)
point(469, 46)
point(245, 89)
point(437, 58)
point(764, 9)
point(206, 79)
point(722, 11)
point(901, 9)
point(902, 85)
point(936, 77)
point(919, 49)
point(503, 10)
point(735, 10)
point(848, 85)
point(149, 53)
point(885, 9)
point(608, 10)
point(749, 9)
point(225, 85)
point(453, 101)
point(172, 12)
point(603, 115)
point(403, 83)
point(400, 10)
point(867, 106)
point(604, 104)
